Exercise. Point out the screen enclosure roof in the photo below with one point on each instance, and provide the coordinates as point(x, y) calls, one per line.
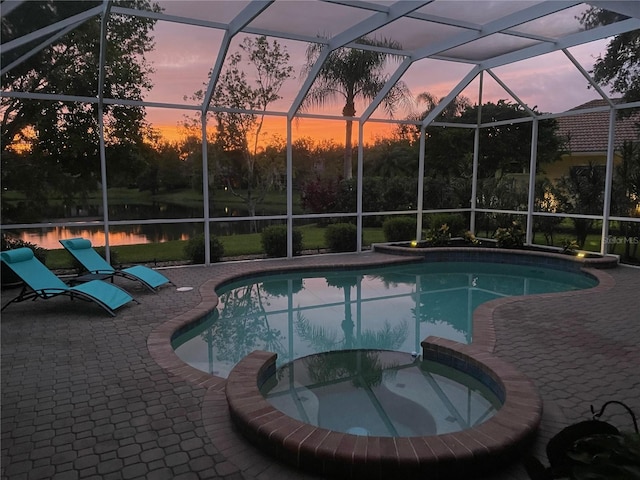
point(466, 37)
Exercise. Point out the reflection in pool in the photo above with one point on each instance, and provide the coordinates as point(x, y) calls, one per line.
point(379, 393)
point(389, 308)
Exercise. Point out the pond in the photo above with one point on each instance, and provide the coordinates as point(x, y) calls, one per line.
point(48, 237)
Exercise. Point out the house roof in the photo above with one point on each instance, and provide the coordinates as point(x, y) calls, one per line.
point(589, 132)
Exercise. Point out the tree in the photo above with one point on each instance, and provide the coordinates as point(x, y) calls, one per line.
point(507, 148)
point(445, 148)
point(62, 138)
point(239, 134)
point(545, 201)
point(625, 198)
point(504, 148)
point(582, 191)
point(620, 65)
point(349, 73)
point(391, 157)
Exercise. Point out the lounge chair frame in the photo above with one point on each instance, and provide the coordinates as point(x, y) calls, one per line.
point(135, 273)
point(27, 293)
point(86, 291)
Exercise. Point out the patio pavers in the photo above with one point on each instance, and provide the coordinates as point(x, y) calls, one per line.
point(82, 397)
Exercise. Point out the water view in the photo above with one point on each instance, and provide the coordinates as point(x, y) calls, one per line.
point(48, 237)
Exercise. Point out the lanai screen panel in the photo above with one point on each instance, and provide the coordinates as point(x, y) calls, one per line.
point(475, 34)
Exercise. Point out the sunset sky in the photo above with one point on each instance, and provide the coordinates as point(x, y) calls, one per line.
point(184, 55)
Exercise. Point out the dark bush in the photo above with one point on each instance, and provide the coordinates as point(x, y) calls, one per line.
point(11, 243)
point(398, 229)
point(341, 237)
point(511, 236)
point(456, 222)
point(194, 250)
point(274, 241)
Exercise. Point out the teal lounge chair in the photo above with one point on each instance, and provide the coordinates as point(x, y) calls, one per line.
point(40, 282)
point(82, 250)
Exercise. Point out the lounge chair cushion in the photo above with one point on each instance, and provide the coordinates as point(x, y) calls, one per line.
point(17, 255)
point(79, 243)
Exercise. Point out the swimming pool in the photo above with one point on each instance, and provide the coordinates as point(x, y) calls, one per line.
point(391, 308)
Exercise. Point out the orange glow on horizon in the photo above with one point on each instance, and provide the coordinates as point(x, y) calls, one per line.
point(316, 129)
point(49, 239)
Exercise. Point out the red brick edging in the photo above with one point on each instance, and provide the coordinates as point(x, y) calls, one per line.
point(391, 451)
point(341, 455)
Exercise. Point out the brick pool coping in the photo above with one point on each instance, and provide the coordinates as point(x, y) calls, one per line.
point(551, 258)
point(337, 454)
point(483, 343)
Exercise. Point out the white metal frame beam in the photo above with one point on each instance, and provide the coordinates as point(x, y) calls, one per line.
point(497, 26)
point(375, 21)
point(568, 41)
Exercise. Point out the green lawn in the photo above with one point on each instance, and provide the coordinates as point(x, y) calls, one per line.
point(234, 246)
point(273, 202)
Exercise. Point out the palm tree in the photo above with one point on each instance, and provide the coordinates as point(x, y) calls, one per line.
point(349, 73)
point(454, 109)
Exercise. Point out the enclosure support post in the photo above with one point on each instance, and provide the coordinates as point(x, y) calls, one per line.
point(532, 181)
point(103, 153)
point(474, 168)
point(474, 180)
point(420, 205)
point(205, 190)
point(289, 191)
point(606, 207)
point(359, 183)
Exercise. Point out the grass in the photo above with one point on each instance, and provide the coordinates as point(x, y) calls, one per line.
point(238, 245)
point(274, 202)
point(234, 246)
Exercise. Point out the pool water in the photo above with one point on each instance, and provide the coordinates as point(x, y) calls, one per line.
point(379, 393)
point(388, 308)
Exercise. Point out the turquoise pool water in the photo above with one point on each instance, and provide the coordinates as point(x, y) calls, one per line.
point(386, 308)
point(379, 393)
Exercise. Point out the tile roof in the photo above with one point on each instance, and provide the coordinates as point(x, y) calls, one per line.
point(588, 132)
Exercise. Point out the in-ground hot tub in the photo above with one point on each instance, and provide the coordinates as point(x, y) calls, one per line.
point(381, 393)
point(511, 416)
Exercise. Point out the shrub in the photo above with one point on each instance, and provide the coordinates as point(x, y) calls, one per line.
point(455, 221)
point(194, 249)
point(341, 237)
point(438, 237)
point(569, 246)
point(511, 236)
point(397, 229)
point(11, 243)
point(274, 241)
point(470, 238)
point(319, 195)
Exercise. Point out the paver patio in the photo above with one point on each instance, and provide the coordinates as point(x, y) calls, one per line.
point(83, 398)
